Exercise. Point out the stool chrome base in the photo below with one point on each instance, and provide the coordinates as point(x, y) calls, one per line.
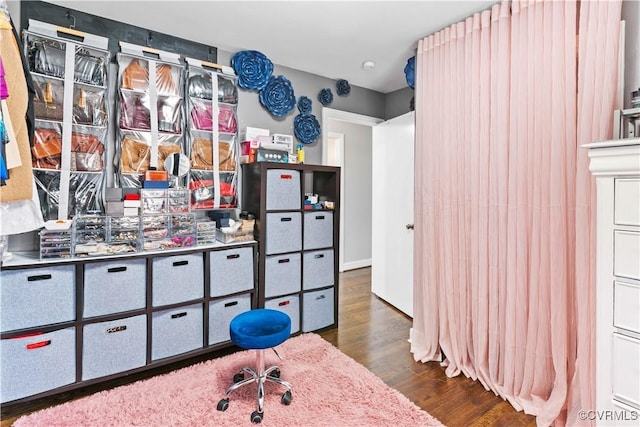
point(260, 375)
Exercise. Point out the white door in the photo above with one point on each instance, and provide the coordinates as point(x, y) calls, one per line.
point(392, 217)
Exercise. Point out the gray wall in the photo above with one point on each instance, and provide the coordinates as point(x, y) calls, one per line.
point(251, 113)
point(356, 176)
point(397, 103)
point(631, 14)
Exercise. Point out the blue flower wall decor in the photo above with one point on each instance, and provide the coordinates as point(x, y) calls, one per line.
point(325, 97)
point(343, 88)
point(306, 128)
point(277, 96)
point(304, 104)
point(410, 72)
point(253, 69)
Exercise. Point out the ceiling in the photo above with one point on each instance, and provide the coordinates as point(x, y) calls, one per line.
point(328, 38)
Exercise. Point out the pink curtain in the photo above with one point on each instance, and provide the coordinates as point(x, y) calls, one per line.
point(503, 272)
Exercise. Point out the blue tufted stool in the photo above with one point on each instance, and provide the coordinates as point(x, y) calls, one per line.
point(259, 329)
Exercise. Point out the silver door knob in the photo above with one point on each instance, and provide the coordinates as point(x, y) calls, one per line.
point(409, 226)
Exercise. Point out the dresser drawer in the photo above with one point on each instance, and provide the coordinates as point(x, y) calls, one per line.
point(284, 232)
point(168, 280)
point(289, 305)
point(38, 363)
point(626, 253)
point(626, 306)
point(114, 287)
point(48, 292)
point(221, 312)
point(317, 309)
point(626, 370)
point(231, 271)
point(282, 274)
point(176, 331)
point(283, 189)
point(627, 201)
point(115, 346)
point(318, 230)
point(317, 269)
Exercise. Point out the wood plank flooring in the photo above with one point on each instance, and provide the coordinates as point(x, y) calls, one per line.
point(374, 334)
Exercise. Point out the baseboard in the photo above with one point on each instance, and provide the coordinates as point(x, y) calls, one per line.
point(356, 264)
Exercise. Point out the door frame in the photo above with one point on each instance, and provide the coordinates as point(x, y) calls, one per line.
point(329, 114)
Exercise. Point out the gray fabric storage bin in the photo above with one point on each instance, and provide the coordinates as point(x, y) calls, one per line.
point(284, 232)
point(49, 292)
point(176, 331)
point(32, 365)
point(289, 305)
point(282, 274)
point(115, 346)
point(221, 312)
point(317, 309)
point(231, 271)
point(317, 269)
point(177, 279)
point(114, 286)
point(318, 230)
point(283, 189)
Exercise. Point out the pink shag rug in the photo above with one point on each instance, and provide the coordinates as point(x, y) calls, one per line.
point(329, 389)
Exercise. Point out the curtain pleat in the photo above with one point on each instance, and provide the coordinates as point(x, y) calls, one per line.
point(504, 230)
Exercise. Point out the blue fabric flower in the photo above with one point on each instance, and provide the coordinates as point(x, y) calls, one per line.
point(325, 97)
point(253, 69)
point(306, 128)
point(277, 96)
point(410, 71)
point(343, 88)
point(304, 104)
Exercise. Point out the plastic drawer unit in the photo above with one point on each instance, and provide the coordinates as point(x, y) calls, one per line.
point(284, 232)
point(283, 189)
point(37, 363)
point(221, 312)
point(48, 292)
point(177, 279)
point(114, 287)
point(176, 331)
point(282, 275)
point(114, 346)
point(289, 305)
point(318, 269)
point(318, 230)
point(317, 309)
point(231, 271)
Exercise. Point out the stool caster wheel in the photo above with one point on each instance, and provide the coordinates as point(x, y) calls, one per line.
point(286, 398)
point(238, 377)
point(256, 417)
point(275, 373)
point(223, 405)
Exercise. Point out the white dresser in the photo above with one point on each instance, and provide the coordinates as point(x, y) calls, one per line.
point(616, 166)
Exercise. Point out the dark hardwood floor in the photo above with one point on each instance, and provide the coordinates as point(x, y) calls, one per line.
point(375, 334)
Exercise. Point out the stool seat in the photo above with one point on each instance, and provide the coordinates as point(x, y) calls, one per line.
point(260, 329)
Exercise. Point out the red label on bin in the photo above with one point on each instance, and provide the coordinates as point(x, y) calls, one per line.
point(38, 344)
point(286, 176)
point(284, 303)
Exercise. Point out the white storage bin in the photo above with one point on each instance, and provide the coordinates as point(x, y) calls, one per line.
point(284, 232)
point(283, 189)
point(114, 287)
point(48, 292)
point(289, 305)
point(221, 312)
point(177, 278)
point(317, 269)
point(115, 346)
point(317, 309)
point(318, 230)
point(282, 275)
point(231, 271)
point(176, 331)
point(35, 364)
